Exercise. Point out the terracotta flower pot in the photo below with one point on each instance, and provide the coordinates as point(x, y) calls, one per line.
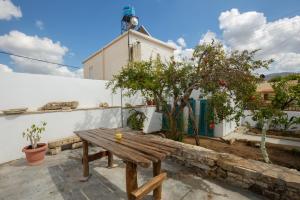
point(35, 156)
point(148, 102)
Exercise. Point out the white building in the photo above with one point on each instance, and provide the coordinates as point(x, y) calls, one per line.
point(131, 45)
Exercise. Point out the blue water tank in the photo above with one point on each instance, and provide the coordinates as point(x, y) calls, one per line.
point(128, 11)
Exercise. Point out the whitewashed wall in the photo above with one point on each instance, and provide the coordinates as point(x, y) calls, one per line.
point(33, 91)
point(59, 125)
point(224, 128)
point(248, 119)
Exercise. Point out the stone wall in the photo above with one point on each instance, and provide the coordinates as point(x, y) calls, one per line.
point(271, 181)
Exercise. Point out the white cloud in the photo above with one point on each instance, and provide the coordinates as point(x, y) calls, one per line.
point(36, 47)
point(181, 53)
point(8, 10)
point(208, 37)
point(181, 42)
point(279, 39)
point(5, 68)
point(39, 24)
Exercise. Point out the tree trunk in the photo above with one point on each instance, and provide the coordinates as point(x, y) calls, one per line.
point(195, 129)
point(31, 142)
point(173, 127)
point(263, 141)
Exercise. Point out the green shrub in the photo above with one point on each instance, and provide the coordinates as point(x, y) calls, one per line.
point(136, 119)
point(284, 123)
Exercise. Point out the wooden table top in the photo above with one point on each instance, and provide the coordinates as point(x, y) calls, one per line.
point(139, 149)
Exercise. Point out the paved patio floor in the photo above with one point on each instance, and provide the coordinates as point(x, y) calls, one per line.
point(58, 178)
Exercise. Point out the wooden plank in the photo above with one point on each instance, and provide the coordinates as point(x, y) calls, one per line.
point(134, 145)
point(123, 152)
point(85, 159)
point(133, 136)
point(127, 139)
point(131, 179)
point(110, 159)
point(97, 156)
point(151, 140)
point(144, 140)
point(152, 184)
point(120, 152)
point(117, 144)
point(156, 172)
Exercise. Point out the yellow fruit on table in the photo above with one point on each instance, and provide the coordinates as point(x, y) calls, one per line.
point(118, 136)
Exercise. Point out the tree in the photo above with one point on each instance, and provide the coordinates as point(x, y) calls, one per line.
point(226, 78)
point(286, 93)
point(264, 114)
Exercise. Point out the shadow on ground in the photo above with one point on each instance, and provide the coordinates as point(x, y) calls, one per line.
point(58, 179)
point(109, 184)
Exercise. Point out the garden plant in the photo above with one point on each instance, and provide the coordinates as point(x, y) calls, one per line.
point(225, 78)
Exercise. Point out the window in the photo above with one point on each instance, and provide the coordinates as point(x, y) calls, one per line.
point(91, 72)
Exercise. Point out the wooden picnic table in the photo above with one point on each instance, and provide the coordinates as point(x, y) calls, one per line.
point(134, 150)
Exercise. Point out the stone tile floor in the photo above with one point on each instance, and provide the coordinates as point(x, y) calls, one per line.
point(58, 178)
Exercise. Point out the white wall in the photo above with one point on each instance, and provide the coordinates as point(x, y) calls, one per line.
point(61, 125)
point(150, 49)
point(110, 60)
point(248, 118)
point(224, 128)
point(34, 91)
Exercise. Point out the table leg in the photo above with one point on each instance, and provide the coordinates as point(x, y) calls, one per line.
point(157, 171)
point(110, 159)
point(131, 179)
point(85, 160)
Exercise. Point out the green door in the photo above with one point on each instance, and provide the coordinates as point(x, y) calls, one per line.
point(180, 119)
point(190, 125)
point(204, 129)
point(165, 121)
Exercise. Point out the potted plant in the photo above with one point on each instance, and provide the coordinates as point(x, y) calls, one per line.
point(35, 152)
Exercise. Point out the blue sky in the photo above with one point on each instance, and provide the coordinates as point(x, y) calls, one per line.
point(85, 26)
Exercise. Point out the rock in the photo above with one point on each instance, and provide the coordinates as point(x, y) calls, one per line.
point(270, 180)
point(231, 141)
point(271, 195)
point(54, 151)
point(256, 144)
point(221, 173)
point(76, 145)
point(103, 105)
point(60, 105)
